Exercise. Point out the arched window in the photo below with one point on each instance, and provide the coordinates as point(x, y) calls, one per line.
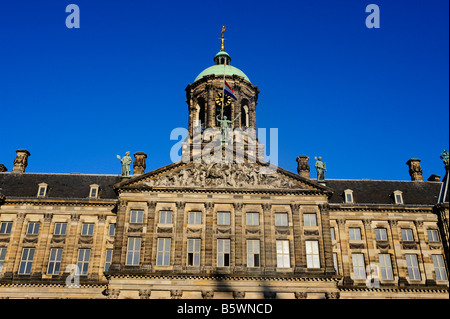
point(202, 112)
point(244, 114)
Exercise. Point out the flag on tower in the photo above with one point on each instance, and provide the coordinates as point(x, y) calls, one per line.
point(229, 91)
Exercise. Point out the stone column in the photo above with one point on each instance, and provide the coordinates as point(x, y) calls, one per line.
point(210, 106)
point(147, 242)
point(239, 250)
point(13, 247)
point(21, 161)
point(209, 237)
point(326, 234)
point(269, 242)
point(396, 237)
point(139, 163)
point(298, 230)
point(41, 247)
point(345, 252)
point(119, 244)
point(178, 236)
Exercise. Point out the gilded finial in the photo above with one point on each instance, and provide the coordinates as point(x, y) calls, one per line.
point(222, 46)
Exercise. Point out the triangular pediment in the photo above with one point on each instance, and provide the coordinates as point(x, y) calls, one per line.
point(232, 176)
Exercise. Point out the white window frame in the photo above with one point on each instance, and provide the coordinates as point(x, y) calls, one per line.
point(407, 234)
point(433, 235)
point(33, 228)
point(252, 218)
point(223, 218)
point(281, 219)
point(381, 234)
point(333, 233)
point(195, 218)
point(6, 227)
point(133, 251)
point(136, 216)
point(108, 258)
point(54, 261)
point(354, 233)
point(112, 229)
point(310, 219)
point(253, 253)
point(439, 268)
point(348, 196)
point(42, 190)
point(359, 267)
point(193, 252)
point(398, 197)
point(84, 255)
point(2, 257)
point(93, 191)
point(60, 229)
point(26, 261)
point(165, 217)
point(223, 252)
point(412, 264)
point(87, 229)
point(386, 266)
point(163, 251)
point(283, 255)
point(312, 254)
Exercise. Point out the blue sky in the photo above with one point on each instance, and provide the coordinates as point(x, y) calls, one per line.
point(366, 100)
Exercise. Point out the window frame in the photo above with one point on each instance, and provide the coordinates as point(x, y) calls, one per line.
point(312, 254)
point(136, 216)
point(93, 187)
point(283, 253)
point(308, 218)
point(163, 251)
point(26, 262)
point(252, 219)
point(133, 256)
point(6, 227)
point(351, 233)
point(405, 236)
point(386, 271)
point(281, 219)
point(439, 268)
point(398, 197)
point(193, 249)
point(412, 265)
point(165, 216)
point(253, 253)
point(54, 261)
point(348, 193)
point(87, 229)
point(359, 266)
point(60, 229)
point(42, 190)
point(194, 218)
point(434, 238)
point(83, 260)
point(223, 252)
point(33, 228)
point(224, 218)
point(381, 232)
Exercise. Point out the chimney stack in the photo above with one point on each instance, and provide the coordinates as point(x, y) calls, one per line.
point(415, 171)
point(139, 163)
point(3, 168)
point(303, 166)
point(21, 161)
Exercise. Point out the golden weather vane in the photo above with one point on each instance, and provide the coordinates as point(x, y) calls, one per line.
point(222, 46)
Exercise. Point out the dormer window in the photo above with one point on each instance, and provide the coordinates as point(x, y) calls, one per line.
point(93, 192)
point(398, 197)
point(42, 190)
point(348, 196)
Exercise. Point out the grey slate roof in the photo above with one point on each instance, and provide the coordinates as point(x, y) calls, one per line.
point(381, 192)
point(76, 186)
point(73, 186)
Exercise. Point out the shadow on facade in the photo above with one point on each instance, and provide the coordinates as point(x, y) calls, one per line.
point(222, 285)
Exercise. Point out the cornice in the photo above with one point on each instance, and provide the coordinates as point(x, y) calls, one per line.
point(59, 202)
point(381, 208)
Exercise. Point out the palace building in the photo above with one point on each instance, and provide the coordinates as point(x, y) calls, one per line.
point(224, 226)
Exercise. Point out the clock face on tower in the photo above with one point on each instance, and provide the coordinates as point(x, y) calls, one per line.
point(219, 100)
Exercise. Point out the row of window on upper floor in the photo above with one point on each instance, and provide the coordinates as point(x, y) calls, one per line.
point(87, 229)
point(43, 190)
point(348, 197)
point(382, 235)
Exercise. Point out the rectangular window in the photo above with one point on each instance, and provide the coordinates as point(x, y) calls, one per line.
point(33, 228)
point(348, 198)
point(223, 252)
point(54, 262)
point(223, 218)
point(193, 252)
point(253, 253)
point(335, 263)
point(413, 266)
point(26, 261)
point(2, 258)
point(310, 219)
point(195, 218)
point(281, 219)
point(283, 260)
point(312, 254)
point(5, 227)
point(108, 259)
point(87, 229)
point(381, 234)
point(60, 229)
point(359, 268)
point(41, 191)
point(137, 216)
point(439, 267)
point(332, 233)
point(398, 199)
point(252, 218)
point(163, 253)
point(165, 217)
point(407, 234)
point(112, 229)
point(354, 233)
point(83, 261)
point(386, 266)
point(433, 235)
point(133, 251)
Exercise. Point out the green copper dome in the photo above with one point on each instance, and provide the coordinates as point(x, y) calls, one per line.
point(218, 69)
